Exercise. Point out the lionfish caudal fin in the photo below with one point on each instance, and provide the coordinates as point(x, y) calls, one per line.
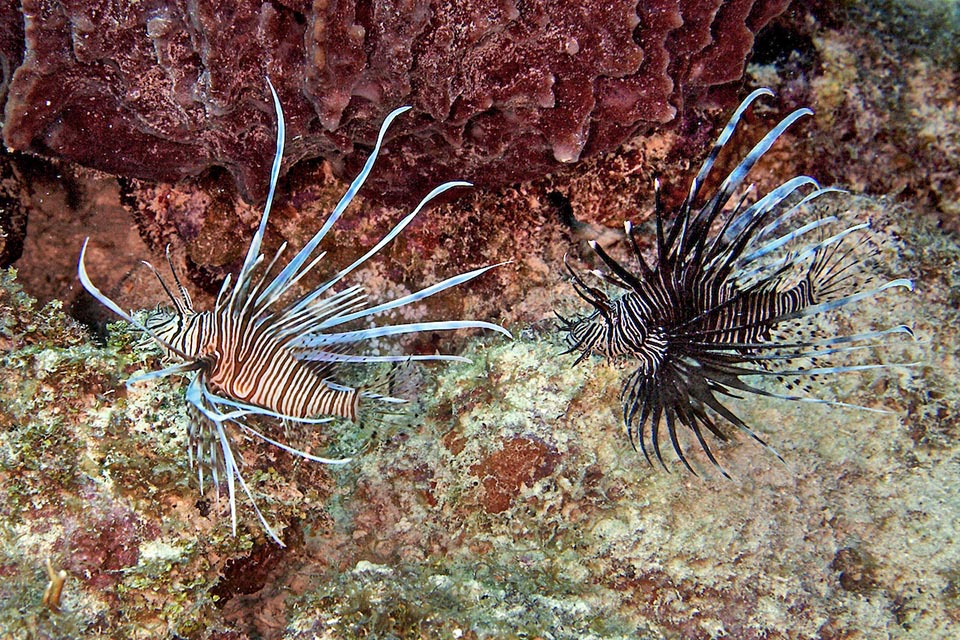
point(255, 308)
point(733, 298)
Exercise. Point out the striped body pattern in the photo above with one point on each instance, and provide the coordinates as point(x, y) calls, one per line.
point(727, 302)
point(254, 366)
point(259, 353)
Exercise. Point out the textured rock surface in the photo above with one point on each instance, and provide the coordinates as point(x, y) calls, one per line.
point(14, 204)
point(512, 506)
point(502, 90)
point(11, 44)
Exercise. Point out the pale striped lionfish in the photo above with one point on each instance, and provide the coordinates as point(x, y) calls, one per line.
point(258, 354)
point(729, 298)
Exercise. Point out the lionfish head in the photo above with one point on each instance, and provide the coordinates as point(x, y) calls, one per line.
point(165, 323)
point(600, 332)
point(584, 332)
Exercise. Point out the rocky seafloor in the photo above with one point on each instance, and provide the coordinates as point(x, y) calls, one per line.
point(512, 506)
point(509, 504)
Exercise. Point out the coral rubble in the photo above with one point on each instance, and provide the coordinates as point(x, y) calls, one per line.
point(510, 505)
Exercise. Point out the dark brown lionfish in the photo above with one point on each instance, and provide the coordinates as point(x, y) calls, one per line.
point(726, 301)
point(259, 354)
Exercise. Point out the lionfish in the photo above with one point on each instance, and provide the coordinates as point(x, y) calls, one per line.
point(258, 354)
point(727, 303)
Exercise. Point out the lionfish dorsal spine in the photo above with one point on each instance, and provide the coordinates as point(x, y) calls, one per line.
point(289, 274)
point(306, 301)
point(408, 299)
point(253, 251)
point(721, 142)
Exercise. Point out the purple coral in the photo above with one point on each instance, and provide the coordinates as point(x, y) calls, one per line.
point(503, 90)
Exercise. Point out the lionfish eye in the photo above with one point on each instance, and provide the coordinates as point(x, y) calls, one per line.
point(158, 317)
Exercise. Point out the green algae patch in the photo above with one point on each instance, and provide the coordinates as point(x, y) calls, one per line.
point(507, 504)
point(94, 478)
point(452, 600)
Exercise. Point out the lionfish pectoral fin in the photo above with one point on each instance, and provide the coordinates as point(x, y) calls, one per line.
point(198, 395)
point(671, 418)
point(703, 417)
point(824, 401)
point(182, 368)
point(657, 411)
point(321, 354)
point(327, 339)
point(710, 400)
point(682, 391)
point(583, 356)
point(243, 409)
point(297, 452)
point(639, 395)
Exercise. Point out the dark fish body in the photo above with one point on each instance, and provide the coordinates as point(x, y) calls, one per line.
point(729, 299)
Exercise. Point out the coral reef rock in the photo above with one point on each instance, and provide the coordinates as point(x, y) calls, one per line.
point(502, 90)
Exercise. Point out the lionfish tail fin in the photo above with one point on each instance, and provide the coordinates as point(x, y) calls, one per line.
point(389, 402)
point(391, 386)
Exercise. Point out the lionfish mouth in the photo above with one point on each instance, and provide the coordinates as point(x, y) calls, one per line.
point(731, 300)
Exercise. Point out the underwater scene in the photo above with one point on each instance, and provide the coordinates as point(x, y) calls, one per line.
point(491, 319)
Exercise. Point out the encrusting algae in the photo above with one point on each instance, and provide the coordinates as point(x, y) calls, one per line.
point(511, 507)
point(81, 471)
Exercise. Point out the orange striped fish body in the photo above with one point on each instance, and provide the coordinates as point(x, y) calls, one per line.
point(293, 390)
point(254, 355)
point(262, 371)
